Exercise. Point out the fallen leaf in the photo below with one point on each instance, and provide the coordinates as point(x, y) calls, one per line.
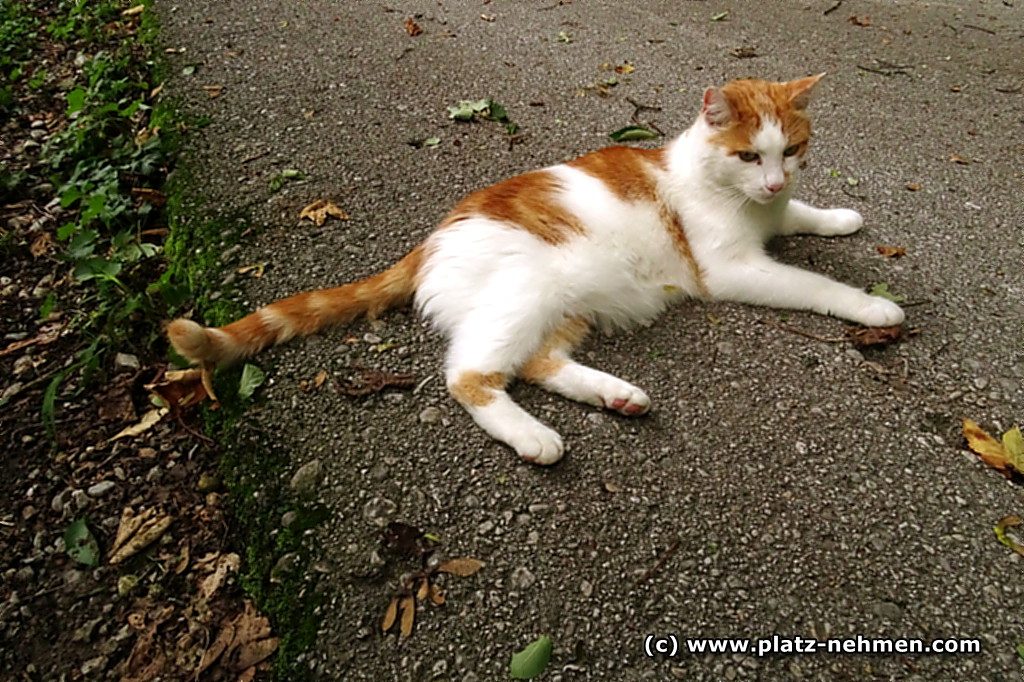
point(408, 615)
point(868, 337)
point(625, 69)
point(41, 244)
point(80, 544)
point(252, 378)
point(986, 447)
point(632, 133)
point(252, 642)
point(564, 37)
point(882, 289)
point(1013, 444)
point(461, 566)
point(145, 424)
point(146, 528)
point(43, 338)
point(531, 661)
point(320, 209)
point(891, 251)
point(721, 16)
point(914, 186)
point(956, 158)
point(222, 565)
point(150, 196)
point(863, 21)
point(320, 378)
point(213, 652)
point(436, 595)
point(213, 90)
point(179, 389)
point(132, 11)
point(743, 53)
point(412, 28)
point(390, 615)
point(1011, 521)
point(487, 17)
point(370, 381)
point(256, 270)
point(424, 590)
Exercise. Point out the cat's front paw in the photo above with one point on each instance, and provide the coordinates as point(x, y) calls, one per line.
point(538, 445)
point(880, 312)
point(841, 221)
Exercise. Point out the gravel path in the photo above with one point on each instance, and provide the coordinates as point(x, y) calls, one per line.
point(781, 484)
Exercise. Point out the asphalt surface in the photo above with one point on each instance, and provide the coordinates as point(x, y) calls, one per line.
point(781, 485)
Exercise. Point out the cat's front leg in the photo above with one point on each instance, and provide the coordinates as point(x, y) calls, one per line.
point(800, 218)
point(762, 281)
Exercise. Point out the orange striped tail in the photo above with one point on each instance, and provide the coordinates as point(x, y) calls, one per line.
point(299, 315)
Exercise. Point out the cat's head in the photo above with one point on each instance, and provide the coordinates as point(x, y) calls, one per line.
point(758, 132)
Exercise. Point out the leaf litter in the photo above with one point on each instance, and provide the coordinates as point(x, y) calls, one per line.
point(320, 210)
point(1005, 456)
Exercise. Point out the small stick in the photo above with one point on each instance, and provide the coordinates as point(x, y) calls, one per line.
point(833, 8)
point(665, 556)
point(980, 28)
point(807, 335)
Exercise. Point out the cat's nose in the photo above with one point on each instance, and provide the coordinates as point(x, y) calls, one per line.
point(774, 187)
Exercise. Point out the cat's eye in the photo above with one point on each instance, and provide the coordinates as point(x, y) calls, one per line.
point(790, 151)
point(749, 156)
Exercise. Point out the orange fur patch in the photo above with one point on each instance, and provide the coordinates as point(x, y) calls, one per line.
point(476, 388)
point(626, 171)
point(551, 356)
point(671, 222)
point(753, 101)
point(529, 202)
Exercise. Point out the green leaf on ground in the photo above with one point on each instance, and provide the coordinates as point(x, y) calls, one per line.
point(1013, 443)
point(188, 70)
point(531, 661)
point(288, 174)
point(76, 100)
point(882, 289)
point(467, 109)
point(1020, 651)
point(564, 37)
point(431, 141)
point(80, 544)
point(252, 378)
point(633, 133)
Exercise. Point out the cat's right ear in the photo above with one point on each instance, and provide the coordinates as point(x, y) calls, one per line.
point(716, 110)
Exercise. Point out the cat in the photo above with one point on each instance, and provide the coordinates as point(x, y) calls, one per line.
point(518, 273)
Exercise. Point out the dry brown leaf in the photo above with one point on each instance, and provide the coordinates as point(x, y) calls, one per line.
point(207, 379)
point(625, 69)
point(373, 381)
point(424, 590)
point(147, 422)
point(180, 389)
point(390, 615)
point(461, 566)
point(252, 642)
point(224, 638)
point(891, 251)
point(320, 209)
point(990, 450)
point(41, 244)
point(320, 378)
point(914, 186)
point(145, 534)
point(248, 675)
point(412, 28)
point(256, 270)
point(863, 21)
point(183, 559)
point(222, 564)
point(49, 335)
point(132, 11)
point(867, 337)
point(436, 595)
point(213, 90)
point(408, 615)
point(956, 158)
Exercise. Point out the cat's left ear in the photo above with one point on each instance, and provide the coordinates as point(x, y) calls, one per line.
point(800, 90)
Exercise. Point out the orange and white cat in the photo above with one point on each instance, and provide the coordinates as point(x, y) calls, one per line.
point(518, 273)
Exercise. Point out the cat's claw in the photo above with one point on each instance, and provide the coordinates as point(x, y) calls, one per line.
point(539, 446)
point(880, 312)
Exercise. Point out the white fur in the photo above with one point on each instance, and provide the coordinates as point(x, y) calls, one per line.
point(497, 291)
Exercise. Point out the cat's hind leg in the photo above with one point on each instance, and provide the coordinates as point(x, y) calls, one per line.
point(552, 368)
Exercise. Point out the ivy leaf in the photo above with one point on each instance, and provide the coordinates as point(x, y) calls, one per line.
point(633, 133)
point(80, 544)
point(252, 378)
point(882, 289)
point(531, 661)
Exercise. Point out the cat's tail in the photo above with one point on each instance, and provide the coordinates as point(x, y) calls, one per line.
point(299, 315)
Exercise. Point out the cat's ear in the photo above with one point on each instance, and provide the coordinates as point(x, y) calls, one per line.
point(800, 90)
point(716, 109)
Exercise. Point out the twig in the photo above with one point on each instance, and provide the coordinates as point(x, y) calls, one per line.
point(980, 28)
point(1010, 91)
point(807, 335)
point(203, 437)
point(665, 556)
point(861, 197)
point(258, 155)
point(833, 8)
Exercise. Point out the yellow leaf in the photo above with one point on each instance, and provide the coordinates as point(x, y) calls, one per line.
point(390, 615)
point(145, 424)
point(1013, 444)
point(320, 209)
point(461, 566)
point(1011, 521)
point(985, 446)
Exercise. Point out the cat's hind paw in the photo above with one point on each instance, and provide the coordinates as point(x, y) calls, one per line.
point(538, 445)
point(880, 312)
